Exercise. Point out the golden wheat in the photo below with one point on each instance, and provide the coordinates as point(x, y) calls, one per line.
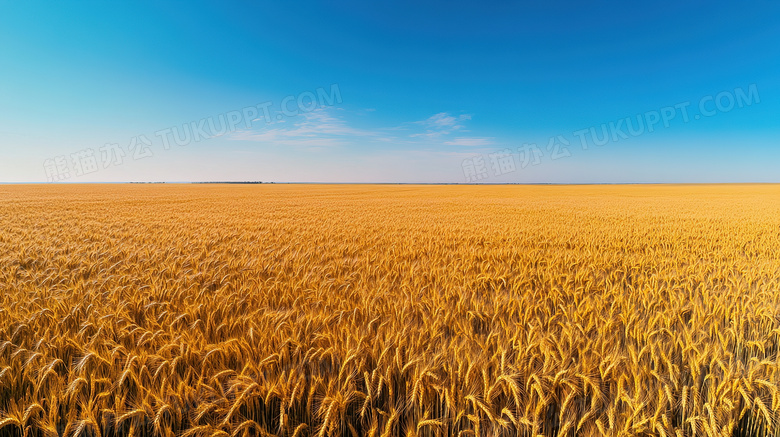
point(295, 310)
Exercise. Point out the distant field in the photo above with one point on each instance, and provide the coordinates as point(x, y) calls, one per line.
point(353, 310)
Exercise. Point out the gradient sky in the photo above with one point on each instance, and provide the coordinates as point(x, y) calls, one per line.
point(447, 91)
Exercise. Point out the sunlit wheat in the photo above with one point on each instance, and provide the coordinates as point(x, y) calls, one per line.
point(294, 310)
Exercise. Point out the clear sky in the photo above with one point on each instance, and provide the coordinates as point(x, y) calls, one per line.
point(390, 91)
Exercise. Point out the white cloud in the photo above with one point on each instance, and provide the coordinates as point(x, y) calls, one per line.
point(470, 141)
point(317, 128)
point(324, 127)
point(440, 124)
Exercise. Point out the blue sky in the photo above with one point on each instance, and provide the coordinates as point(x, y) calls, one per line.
point(390, 91)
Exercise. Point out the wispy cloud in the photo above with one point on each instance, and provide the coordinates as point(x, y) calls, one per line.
point(325, 127)
point(440, 124)
point(317, 128)
point(470, 141)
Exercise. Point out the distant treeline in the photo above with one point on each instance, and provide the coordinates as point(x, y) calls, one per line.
point(233, 182)
point(207, 182)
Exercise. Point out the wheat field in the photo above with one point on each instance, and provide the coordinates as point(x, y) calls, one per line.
point(389, 310)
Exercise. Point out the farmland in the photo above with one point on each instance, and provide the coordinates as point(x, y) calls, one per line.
point(389, 310)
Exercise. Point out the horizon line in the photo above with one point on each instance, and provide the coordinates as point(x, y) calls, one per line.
point(379, 183)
